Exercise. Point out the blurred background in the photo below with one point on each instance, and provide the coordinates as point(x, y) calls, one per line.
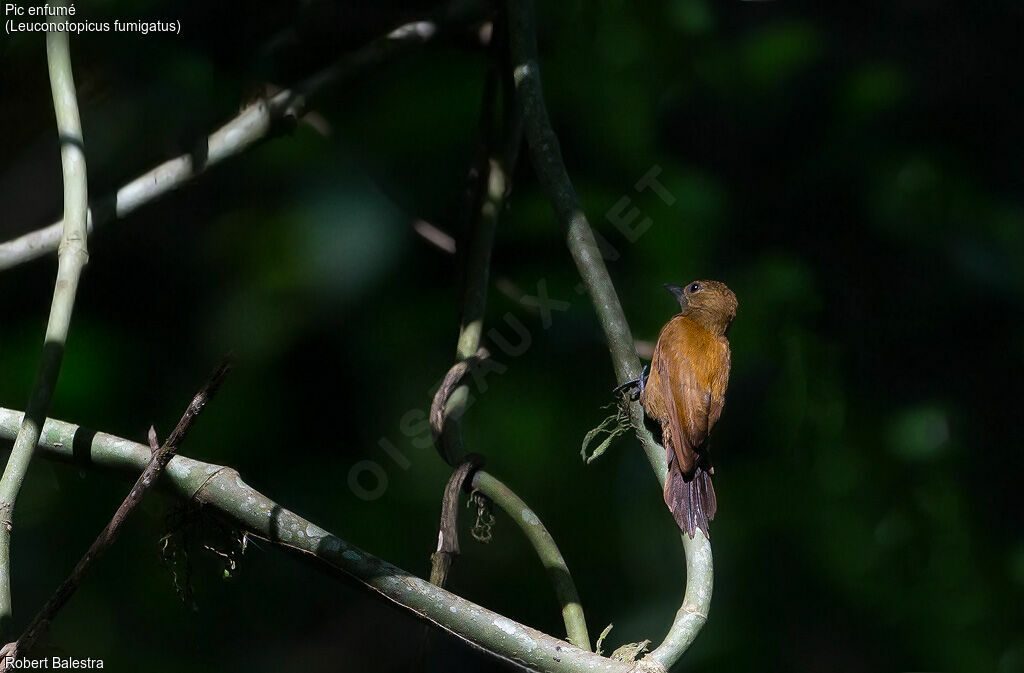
point(854, 173)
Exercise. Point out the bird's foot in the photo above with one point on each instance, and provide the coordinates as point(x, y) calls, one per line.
point(634, 387)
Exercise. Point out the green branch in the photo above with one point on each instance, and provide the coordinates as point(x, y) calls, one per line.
point(491, 181)
point(160, 456)
point(547, 550)
point(493, 177)
point(71, 258)
point(550, 169)
point(222, 489)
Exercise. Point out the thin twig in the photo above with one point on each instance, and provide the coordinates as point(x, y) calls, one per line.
point(447, 540)
point(550, 169)
point(448, 536)
point(222, 489)
point(253, 124)
point(440, 408)
point(161, 456)
point(71, 258)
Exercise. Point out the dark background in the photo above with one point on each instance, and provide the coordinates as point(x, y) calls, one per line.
point(852, 170)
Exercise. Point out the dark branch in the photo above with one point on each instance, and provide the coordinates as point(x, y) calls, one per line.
point(439, 412)
point(448, 537)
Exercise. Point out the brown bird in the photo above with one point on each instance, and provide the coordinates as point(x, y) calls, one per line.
point(685, 393)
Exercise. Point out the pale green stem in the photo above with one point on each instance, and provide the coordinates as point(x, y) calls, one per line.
point(474, 303)
point(222, 489)
point(547, 550)
point(474, 299)
point(550, 169)
point(71, 257)
point(477, 272)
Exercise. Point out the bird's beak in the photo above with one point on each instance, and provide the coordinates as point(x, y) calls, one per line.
point(679, 292)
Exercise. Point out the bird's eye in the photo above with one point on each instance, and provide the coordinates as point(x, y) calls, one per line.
point(695, 287)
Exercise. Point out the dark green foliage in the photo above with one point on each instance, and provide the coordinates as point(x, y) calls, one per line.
point(851, 171)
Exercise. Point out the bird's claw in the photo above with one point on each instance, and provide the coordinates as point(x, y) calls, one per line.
point(635, 387)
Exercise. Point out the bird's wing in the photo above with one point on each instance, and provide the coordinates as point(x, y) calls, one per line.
point(719, 382)
point(674, 436)
point(687, 397)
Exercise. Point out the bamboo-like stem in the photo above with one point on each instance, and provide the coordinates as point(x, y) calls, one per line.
point(255, 123)
point(550, 169)
point(222, 489)
point(547, 550)
point(71, 258)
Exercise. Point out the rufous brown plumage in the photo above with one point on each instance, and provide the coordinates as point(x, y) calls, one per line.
point(685, 393)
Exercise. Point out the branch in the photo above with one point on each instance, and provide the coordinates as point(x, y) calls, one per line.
point(222, 489)
point(490, 183)
point(506, 499)
point(547, 550)
point(446, 414)
point(160, 457)
point(534, 530)
point(550, 169)
point(256, 122)
point(71, 258)
point(448, 536)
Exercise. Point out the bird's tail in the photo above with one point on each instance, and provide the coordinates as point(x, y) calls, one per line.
point(691, 500)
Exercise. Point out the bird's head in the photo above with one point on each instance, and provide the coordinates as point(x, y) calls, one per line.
point(708, 302)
